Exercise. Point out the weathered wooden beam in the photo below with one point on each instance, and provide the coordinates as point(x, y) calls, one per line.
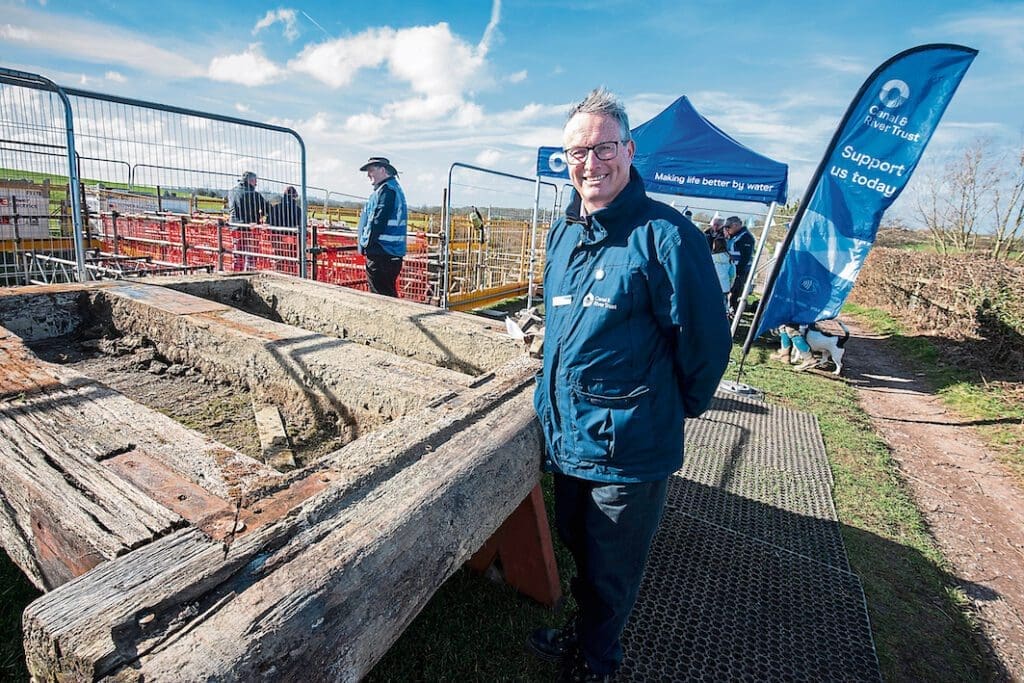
point(64, 508)
point(273, 575)
point(327, 588)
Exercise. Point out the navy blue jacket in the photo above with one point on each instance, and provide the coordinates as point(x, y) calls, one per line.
point(636, 338)
point(741, 245)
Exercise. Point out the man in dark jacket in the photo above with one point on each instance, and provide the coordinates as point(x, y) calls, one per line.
point(247, 205)
point(287, 214)
point(635, 341)
point(382, 227)
point(741, 247)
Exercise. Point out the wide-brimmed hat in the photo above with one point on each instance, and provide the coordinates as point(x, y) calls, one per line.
point(379, 161)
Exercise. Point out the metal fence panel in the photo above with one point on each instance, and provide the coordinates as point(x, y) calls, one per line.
point(496, 225)
point(37, 182)
point(156, 183)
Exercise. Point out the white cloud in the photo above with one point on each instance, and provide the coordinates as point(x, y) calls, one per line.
point(336, 62)
point(517, 77)
point(492, 29)
point(247, 68)
point(365, 125)
point(469, 115)
point(843, 65)
point(114, 76)
point(426, 108)
point(241, 108)
point(530, 112)
point(284, 16)
point(431, 60)
point(441, 70)
point(17, 33)
point(75, 38)
point(488, 157)
point(999, 30)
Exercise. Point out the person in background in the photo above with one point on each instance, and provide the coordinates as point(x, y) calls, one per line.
point(382, 227)
point(246, 204)
point(789, 339)
point(248, 207)
point(288, 212)
point(477, 220)
point(714, 230)
point(635, 342)
point(724, 266)
point(741, 246)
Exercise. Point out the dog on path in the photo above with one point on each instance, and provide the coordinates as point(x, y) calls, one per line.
point(828, 346)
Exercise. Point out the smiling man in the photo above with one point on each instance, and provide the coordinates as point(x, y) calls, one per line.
point(636, 340)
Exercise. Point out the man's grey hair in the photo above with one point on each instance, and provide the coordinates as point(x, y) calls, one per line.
point(734, 220)
point(600, 101)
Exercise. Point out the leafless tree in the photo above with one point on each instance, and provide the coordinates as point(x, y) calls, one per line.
point(1008, 207)
point(954, 200)
point(977, 194)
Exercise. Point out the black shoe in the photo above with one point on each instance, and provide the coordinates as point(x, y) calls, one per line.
point(576, 670)
point(553, 644)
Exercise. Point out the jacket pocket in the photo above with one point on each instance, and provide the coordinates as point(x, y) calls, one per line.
point(604, 413)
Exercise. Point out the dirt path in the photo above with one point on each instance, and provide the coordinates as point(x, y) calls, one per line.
point(973, 508)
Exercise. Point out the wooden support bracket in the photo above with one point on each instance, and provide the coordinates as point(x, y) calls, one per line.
point(522, 545)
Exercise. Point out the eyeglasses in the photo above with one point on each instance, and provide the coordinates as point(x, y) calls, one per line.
point(605, 151)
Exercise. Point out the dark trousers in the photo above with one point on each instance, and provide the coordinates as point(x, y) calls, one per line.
point(382, 273)
point(737, 289)
point(608, 528)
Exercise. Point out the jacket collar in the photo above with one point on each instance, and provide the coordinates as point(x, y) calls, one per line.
point(613, 218)
point(384, 182)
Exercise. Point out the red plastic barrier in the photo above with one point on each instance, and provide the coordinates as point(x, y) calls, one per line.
point(270, 249)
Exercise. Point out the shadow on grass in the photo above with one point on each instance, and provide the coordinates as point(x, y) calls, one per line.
point(15, 593)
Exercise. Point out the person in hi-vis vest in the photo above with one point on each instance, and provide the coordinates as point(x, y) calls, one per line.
point(382, 227)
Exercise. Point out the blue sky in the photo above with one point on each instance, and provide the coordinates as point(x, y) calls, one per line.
point(486, 83)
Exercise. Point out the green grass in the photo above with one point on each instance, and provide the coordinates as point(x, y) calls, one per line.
point(15, 593)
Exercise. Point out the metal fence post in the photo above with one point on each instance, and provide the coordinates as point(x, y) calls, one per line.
point(184, 242)
point(220, 244)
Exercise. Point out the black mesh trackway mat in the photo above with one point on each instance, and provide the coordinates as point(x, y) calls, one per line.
point(762, 471)
point(747, 578)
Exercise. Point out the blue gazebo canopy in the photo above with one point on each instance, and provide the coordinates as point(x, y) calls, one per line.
point(682, 153)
